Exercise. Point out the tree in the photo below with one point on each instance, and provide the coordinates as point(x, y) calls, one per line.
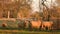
point(24, 9)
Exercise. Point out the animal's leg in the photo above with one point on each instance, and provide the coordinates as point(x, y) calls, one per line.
point(48, 28)
point(40, 28)
point(44, 27)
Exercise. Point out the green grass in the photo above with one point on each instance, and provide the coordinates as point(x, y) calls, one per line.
point(27, 32)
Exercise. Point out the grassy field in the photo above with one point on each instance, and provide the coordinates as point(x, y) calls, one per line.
point(27, 32)
point(10, 30)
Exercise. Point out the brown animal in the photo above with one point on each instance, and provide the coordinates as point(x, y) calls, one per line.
point(4, 25)
point(47, 25)
point(21, 24)
point(35, 24)
point(26, 24)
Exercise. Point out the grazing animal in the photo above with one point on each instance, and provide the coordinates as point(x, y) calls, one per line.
point(21, 24)
point(4, 25)
point(47, 25)
point(26, 23)
point(35, 24)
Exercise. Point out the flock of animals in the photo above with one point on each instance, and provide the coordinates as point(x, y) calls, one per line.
point(34, 24)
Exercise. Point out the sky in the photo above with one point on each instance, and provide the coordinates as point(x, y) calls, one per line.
point(35, 4)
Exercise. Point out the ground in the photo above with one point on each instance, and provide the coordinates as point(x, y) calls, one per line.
point(27, 32)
